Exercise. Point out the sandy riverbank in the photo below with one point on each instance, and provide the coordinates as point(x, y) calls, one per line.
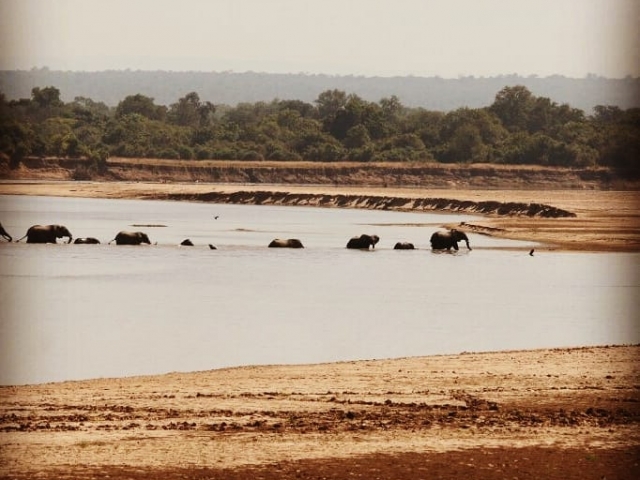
point(603, 221)
point(561, 413)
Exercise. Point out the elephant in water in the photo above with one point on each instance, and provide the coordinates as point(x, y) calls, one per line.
point(288, 243)
point(86, 241)
point(446, 239)
point(46, 234)
point(363, 241)
point(403, 246)
point(186, 243)
point(4, 234)
point(131, 238)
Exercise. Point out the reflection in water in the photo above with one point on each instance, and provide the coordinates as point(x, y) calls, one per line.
point(83, 311)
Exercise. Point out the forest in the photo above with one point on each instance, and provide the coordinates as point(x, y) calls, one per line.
point(516, 128)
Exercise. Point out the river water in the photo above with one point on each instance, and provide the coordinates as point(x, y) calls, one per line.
point(87, 311)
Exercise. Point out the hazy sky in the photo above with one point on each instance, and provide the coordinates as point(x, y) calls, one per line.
point(448, 38)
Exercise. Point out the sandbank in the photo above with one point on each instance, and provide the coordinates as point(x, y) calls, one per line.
point(604, 220)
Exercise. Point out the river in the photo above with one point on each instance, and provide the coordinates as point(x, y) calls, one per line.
point(86, 311)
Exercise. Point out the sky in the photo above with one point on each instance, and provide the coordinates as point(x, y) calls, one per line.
point(446, 38)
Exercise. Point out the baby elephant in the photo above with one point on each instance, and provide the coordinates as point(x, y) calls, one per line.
point(131, 238)
point(86, 241)
point(288, 243)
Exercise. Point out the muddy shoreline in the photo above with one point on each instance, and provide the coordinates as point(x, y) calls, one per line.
point(373, 202)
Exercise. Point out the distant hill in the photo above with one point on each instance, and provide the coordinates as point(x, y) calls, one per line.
point(432, 93)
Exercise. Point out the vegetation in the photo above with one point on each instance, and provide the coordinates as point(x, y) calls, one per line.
point(517, 128)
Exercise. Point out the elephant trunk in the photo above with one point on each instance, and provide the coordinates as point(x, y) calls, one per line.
point(468, 246)
point(70, 238)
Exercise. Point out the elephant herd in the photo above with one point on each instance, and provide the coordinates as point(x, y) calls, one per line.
point(51, 233)
point(440, 240)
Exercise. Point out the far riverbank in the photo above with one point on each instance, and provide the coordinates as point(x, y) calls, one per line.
point(593, 220)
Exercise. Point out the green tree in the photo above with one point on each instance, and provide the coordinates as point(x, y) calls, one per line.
point(392, 113)
point(355, 112)
point(45, 103)
point(466, 146)
point(469, 135)
point(46, 97)
point(426, 124)
point(513, 105)
point(306, 110)
point(619, 143)
point(357, 137)
point(189, 111)
point(16, 140)
point(141, 105)
point(607, 114)
point(329, 103)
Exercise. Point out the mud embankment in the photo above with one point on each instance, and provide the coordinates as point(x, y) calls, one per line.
point(420, 175)
point(367, 174)
point(432, 176)
point(373, 203)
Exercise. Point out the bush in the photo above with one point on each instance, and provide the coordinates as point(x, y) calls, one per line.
point(365, 154)
point(203, 153)
point(251, 155)
point(185, 152)
point(224, 153)
point(326, 152)
point(168, 153)
point(282, 154)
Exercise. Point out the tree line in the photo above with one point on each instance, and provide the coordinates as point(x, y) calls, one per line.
point(230, 88)
point(517, 128)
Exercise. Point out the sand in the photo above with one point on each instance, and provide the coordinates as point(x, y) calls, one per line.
point(560, 413)
point(492, 410)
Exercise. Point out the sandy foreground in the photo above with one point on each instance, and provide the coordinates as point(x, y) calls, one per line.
point(604, 220)
point(560, 413)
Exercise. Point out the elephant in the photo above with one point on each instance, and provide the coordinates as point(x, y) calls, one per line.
point(363, 241)
point(4, 234)
point(445, 240)
point(86, 241)
point(212, 247)
point(187, 243)
point(131, 238)
point(288, 243)
point(46, 234)
point(403, 246)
